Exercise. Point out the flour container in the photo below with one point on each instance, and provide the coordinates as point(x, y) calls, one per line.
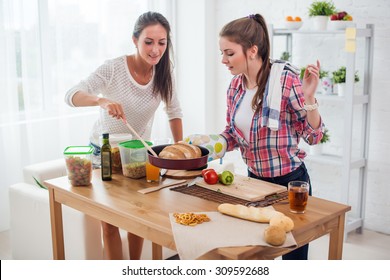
point(133, 158)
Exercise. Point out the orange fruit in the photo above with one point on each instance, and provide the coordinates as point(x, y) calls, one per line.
point(298, 19)
point(289, 18)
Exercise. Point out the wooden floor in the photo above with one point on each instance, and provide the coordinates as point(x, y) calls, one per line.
point(369, 245)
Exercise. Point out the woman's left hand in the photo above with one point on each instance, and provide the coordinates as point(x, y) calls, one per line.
point(310, 81)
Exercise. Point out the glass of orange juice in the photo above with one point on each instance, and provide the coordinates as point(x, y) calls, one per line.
point(152, 173)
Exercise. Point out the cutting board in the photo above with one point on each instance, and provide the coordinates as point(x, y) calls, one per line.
point(183, 174)
point(245, 188)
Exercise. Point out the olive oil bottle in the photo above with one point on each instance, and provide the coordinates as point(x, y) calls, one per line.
point(106, 161)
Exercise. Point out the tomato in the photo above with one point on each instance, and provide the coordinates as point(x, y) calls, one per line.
point(206, 170)
point(210, 177)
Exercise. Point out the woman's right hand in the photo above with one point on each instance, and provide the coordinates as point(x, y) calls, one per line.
point(114, 109)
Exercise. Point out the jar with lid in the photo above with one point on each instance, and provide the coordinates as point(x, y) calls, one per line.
point(78, 161)
point(133, 157)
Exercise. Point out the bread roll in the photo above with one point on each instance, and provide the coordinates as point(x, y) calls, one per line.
point(260, 215)
point(282, 221)
point(180, 151)
point(274, 235)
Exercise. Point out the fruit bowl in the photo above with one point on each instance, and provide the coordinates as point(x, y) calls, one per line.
point(295, 25)
point(339, 24)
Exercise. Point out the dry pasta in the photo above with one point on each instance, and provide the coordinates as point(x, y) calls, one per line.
point(190, 219)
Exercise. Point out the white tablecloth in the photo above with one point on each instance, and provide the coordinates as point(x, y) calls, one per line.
point(222, 231)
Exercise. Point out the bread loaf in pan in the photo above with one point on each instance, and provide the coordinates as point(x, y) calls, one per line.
point(180, 151)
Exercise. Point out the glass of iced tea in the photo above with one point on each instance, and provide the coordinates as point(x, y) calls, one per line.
point(152, 173)
point(298, 193)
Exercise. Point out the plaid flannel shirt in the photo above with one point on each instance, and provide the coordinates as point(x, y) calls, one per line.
point(272, 153)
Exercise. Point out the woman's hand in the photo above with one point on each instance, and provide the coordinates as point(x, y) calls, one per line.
point(310, 82)
point(114, 109)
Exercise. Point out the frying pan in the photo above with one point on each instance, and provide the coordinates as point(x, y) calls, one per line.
point(178, 164)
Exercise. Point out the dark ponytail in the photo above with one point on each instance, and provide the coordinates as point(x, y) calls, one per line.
point(247, 32)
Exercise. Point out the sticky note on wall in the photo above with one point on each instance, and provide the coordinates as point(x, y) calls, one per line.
point(350, 40)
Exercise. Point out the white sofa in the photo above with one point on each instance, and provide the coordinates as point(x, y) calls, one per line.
point(30, 231)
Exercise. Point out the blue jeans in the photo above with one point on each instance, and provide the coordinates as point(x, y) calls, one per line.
point(299, 174)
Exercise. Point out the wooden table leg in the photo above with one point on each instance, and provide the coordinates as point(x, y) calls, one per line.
point(336, 239)
point(57, 231)
point(156, 251)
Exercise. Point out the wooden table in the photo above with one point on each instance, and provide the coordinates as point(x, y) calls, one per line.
point(117, 202)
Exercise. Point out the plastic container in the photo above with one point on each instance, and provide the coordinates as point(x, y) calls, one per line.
point(133, 158)
point(78, 161)
point(115, 139)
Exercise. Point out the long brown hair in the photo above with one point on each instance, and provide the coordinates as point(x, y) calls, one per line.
point(162, 83)
point(247, 32)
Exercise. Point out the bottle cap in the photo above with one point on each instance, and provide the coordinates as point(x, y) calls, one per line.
point(105, 135)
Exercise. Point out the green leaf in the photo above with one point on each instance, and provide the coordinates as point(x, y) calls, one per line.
point(339, 76)
point(325, 136)
point(322, 8)
point(39, 183)
point(285, 56)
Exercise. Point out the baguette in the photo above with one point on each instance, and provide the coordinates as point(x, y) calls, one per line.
point(260, 215)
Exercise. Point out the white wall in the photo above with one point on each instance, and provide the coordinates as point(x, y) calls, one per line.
point(195, 70)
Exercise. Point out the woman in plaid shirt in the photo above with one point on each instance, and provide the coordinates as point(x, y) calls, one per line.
point(270, 150)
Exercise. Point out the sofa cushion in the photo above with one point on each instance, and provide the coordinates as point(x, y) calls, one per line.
point(44, 171)
point(30, 230)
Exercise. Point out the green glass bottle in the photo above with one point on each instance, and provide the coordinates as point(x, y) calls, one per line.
point(106, 162)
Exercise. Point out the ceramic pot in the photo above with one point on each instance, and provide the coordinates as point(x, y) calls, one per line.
point(320, 23)
point(341, 89)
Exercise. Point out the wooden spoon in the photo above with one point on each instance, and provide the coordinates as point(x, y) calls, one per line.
point(140, 138)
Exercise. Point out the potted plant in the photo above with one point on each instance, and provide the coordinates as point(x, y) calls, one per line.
point(320, 11)
point(339, 78)
point(285, 56)
point(317, 149)
point(325, 84)
point(323, 73)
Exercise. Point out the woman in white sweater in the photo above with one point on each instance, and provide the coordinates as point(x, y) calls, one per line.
point(131, 88)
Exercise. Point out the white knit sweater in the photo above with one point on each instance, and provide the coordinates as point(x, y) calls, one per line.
point(113, 81)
